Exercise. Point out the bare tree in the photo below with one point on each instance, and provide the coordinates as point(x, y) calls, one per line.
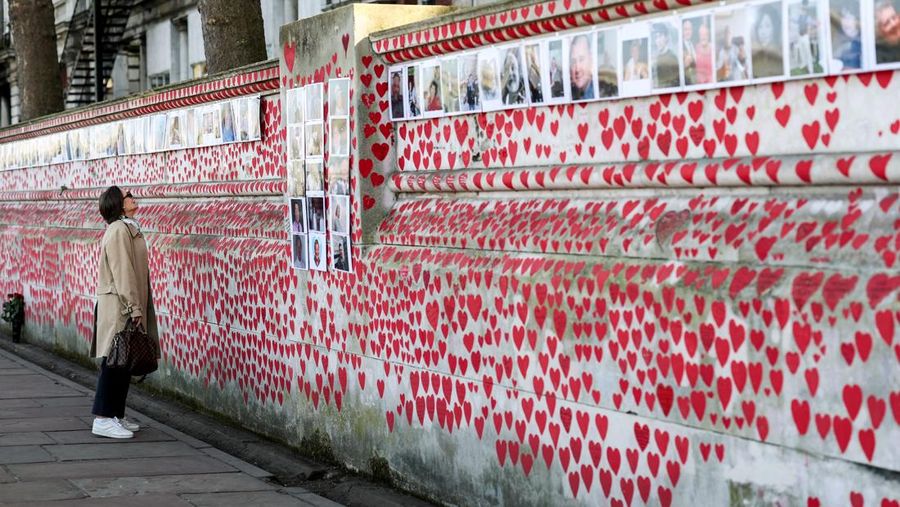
point(233, 33)
point(37, 66)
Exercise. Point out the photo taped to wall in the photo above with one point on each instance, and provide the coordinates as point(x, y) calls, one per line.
point(340, 253)
point(339, 97)
point(313, 102)
point(339, 134)
point(317, 252)
point(766, 40)
point(339, 175)
point(732, 53)
point(450, 85)
point(697, 51)
point(635, 59)
point(665, 68)
point(339, 213)
point(469, 88)
point(845, 20)
point(315, 210)
point(298, 215)
point(806, 42)
point(556, 75)
point(431, 88)
point(396, 89)
point(411, 94)
point(299, 251)
point(315, 177)
point(579, 63)
point(489, 79)
point(886, 22)
point(537, 81)
point(297, 178)
point(512, 79)
point(607, 62)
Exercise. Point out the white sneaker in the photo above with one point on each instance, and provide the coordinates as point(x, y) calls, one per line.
point(128, 425)
point(110, 427)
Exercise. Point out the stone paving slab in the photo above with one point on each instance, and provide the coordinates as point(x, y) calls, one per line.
point(18, 403)
point(39, 491)
point(178, 484)
point(8, 363)
point(10, 372)
point(127, 450)
point(83, 401)
point(5, 476)
point(147, 434)
point(44, 412)
point(249, 499)
point(124, 501)
point(243, 466)
point(311, 498)
point(24, 454)
point(27, 438)
point(120, 468)
point(37, 386)
point(45, 424)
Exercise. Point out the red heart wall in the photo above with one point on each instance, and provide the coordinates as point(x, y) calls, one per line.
point(680, 300)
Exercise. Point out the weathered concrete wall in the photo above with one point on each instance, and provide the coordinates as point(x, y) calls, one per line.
point(686, 299)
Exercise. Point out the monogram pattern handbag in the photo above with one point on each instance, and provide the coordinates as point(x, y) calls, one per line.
point(133, 350)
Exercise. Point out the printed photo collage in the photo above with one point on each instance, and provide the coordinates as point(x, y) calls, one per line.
point(313, 211)
point(751, 42)
point(231, 121)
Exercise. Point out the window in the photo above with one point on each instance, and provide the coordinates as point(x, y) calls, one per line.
point(157, 80)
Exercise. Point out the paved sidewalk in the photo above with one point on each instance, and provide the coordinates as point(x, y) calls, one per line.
point(48, 455)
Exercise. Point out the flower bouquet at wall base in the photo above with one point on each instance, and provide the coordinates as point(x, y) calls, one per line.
point(14, 313)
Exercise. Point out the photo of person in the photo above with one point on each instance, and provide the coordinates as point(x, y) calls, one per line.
point(315, 146)
point(339, 175)
point(297, 181)
point(313, 101)
point(226, 116)
point(396, 94)
point(846, 43)
point(512, 83)
point(175, 130)
point(534, 73)
point(558, 87)
point(340, 252)
point(766, 59)
point(636, 55)
point(315, 177)
point(413, 104)
point(339, 214)
point(450, 85)
point(210, 127)
point(317, 259)
point(340, 137)
point(607, 64)
point(296, 103)
point(731, 58)
point(804, 34)
point(299, 251)
point(489, 78)
point(74, 145)
point(697, 51)
point(295, 142)
point(665, 67)
point(255, 133)
point(339, 97)
point(315, 210)
point(469, 89)
point(298, 215)
point(431, 89)
point(580, 65)
point(158, 131)
point(241, 120)
point(887, 31)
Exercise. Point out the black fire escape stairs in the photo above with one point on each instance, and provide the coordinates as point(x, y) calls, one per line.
point(94, 23)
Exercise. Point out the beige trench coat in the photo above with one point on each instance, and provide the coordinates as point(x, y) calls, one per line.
point(123, 286)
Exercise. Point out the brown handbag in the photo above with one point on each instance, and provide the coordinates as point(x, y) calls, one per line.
point(133, 350)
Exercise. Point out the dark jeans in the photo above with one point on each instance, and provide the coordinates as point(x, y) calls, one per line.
point(112, 389)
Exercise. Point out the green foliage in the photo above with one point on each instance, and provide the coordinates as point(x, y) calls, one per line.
point(14, 309)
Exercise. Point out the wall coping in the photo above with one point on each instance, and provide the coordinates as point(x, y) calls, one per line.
point(254, 78)
point(506, 22)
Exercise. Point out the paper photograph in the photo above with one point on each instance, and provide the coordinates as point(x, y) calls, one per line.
point(317, 254)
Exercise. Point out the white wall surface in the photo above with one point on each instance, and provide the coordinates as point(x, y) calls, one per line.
point(159, 47)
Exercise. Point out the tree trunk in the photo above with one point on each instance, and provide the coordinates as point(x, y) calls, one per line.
point(233, 34)
point(37, 65)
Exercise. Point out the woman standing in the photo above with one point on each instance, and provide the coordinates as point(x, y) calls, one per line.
point(123, 294)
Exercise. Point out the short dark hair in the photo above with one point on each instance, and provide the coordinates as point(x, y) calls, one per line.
point(112, 204)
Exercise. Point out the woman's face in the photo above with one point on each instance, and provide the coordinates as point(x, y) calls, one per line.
point(635, 50)
point(703, 33)
point(130, 205)
point(765, 30)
